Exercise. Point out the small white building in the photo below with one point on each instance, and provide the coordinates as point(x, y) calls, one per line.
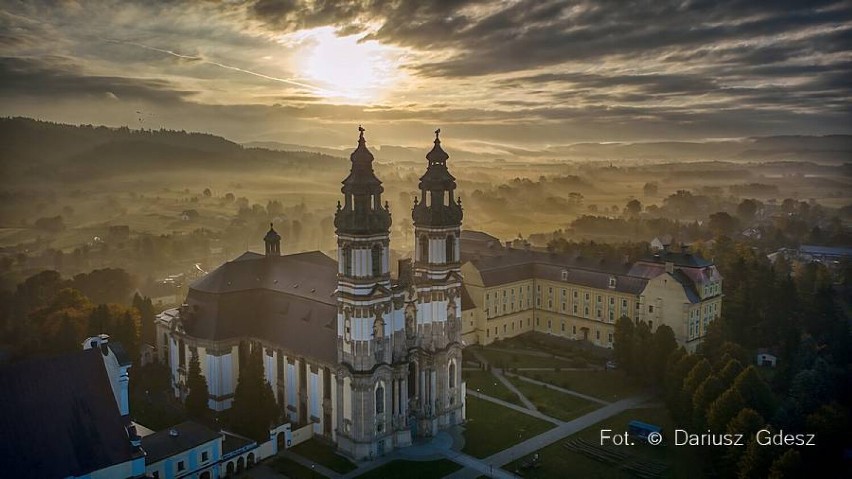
point(765, 358)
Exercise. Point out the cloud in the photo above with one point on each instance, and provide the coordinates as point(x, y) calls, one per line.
point(59, 77)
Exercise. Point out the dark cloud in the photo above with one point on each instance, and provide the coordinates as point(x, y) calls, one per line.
point(60, 78)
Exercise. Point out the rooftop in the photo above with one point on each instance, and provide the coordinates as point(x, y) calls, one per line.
point(59, 418)
point(164, 444)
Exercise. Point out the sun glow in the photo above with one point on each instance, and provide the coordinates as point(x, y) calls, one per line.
point(348, 69)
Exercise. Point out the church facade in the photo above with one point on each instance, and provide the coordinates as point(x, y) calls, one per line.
point(369, 361)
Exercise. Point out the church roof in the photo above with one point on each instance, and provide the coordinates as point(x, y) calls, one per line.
point(286, 300)
point(59, 418)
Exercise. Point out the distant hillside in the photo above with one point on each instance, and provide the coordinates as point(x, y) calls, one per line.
point(37, 149)
point(824, 149)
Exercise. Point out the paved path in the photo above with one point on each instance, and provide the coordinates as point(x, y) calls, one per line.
point(547, 438)
point(498, 373)
point(521, 409)
point(557, 388)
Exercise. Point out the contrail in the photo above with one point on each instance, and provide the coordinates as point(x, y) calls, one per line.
point(228, 67)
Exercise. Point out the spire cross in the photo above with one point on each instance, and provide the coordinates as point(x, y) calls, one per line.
point(437, 132)
point(361, 131)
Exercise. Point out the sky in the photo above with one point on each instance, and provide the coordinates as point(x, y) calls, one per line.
point(491, 75)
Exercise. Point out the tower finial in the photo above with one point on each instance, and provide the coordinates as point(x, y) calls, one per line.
point(361, 131)
point(437, 132)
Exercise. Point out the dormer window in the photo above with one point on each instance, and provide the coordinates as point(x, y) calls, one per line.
point(564, 275)
point(612, 281)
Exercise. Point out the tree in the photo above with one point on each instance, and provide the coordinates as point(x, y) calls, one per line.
point(747, 422)
point(788, 465)
point(196, 400)
point(755, 392)
point(108, 285)
point(650, 189)
point(723, 409)
point(254, 407)
point(633, 208)
point(147, 315)
point(207, 193)
point(623, 342)
point(664, 344)
point(747, 209)
point(705, 394)
point(722, 224)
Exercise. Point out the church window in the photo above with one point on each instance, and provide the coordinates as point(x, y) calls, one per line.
point(623, 304)
point(451, 248)
point(563, 326)
point(610, 337)
point(504, 328)
point(575, 308)
point(598, 334)
point(424, 249)
point(587, 296)
point(452, 374)
point(181, 465)
point(586, 311)
point(380, 400)
point(611, 300)
point(549, 324)
point(599, 313)
point(377, 261)
point(650, 308)
point(599, 299)
point(347, 260)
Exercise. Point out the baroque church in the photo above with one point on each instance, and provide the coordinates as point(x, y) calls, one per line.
point(367, 360)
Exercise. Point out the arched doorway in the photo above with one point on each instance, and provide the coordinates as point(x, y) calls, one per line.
point(241, 465)
point(250, 461)
point(204, 475)
point(229, 469)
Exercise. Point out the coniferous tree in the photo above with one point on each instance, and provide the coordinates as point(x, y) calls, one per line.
point(723, 409)
point(623, 343)
point(254, 408)
point(196, 400)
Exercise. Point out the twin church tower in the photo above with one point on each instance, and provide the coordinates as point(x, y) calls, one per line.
point(398, 340)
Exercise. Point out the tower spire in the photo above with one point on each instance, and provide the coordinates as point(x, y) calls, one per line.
point(273, 242)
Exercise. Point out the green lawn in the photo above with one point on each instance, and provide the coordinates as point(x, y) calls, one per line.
point(486, 383)
point(412, 470)
point(606, 385)
point(323, 454)
point(554, 403)
point(556, 459)
point(491, 428)
point(522, 359)
point(293, 469)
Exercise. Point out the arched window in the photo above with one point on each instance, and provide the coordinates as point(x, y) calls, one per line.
point(452, 375)
point(377, 260)
point(451, 249)
point(424, 249)
point(347, 260)
point(380, 400)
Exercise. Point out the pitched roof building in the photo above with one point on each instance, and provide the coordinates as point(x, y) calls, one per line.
point(520, 290)
point(59, 418)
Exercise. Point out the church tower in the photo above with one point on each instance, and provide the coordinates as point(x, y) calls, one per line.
point(438, 391)
point(365, 311)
